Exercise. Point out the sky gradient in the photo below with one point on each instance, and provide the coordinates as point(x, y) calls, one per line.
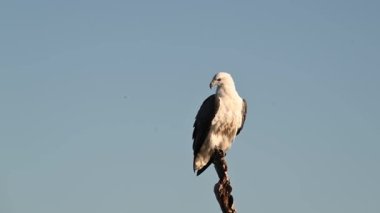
point(98, 99)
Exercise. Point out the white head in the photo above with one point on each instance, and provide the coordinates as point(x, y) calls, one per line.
point(224, 83)
point(222, 79)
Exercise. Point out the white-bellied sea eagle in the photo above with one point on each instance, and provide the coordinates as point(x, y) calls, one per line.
point(220, 118)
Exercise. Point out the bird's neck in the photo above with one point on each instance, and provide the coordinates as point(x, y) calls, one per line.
point(227, 91)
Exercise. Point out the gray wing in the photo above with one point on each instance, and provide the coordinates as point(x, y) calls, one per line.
point(202, 124)
point(244, 113)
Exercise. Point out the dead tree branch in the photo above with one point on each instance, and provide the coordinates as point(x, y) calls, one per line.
point(223, 188)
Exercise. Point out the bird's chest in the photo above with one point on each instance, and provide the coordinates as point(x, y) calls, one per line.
point(228, 118)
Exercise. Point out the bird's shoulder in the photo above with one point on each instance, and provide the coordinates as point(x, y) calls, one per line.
point(208, 108)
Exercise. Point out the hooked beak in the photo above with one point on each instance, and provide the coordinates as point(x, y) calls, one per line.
point(212, 84)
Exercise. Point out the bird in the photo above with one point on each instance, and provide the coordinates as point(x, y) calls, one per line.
point(219, 120)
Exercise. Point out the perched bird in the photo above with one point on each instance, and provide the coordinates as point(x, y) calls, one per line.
point(220, 118)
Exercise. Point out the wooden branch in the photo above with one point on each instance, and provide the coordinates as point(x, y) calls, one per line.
point(223, 189)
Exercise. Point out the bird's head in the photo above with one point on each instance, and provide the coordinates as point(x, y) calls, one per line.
point(221, 79)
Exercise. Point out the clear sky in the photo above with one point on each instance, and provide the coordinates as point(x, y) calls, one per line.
point(98, 98)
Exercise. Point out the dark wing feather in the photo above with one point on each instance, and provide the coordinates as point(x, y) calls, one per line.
point(203, 121)
point(244, 113)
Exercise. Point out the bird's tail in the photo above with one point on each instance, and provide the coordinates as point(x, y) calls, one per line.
point(202, 169)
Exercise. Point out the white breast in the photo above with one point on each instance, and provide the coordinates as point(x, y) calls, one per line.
point(227, 121)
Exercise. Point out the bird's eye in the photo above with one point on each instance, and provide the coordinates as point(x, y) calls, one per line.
point(219, 79)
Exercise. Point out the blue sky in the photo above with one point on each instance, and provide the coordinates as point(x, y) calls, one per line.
point(98, 99)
